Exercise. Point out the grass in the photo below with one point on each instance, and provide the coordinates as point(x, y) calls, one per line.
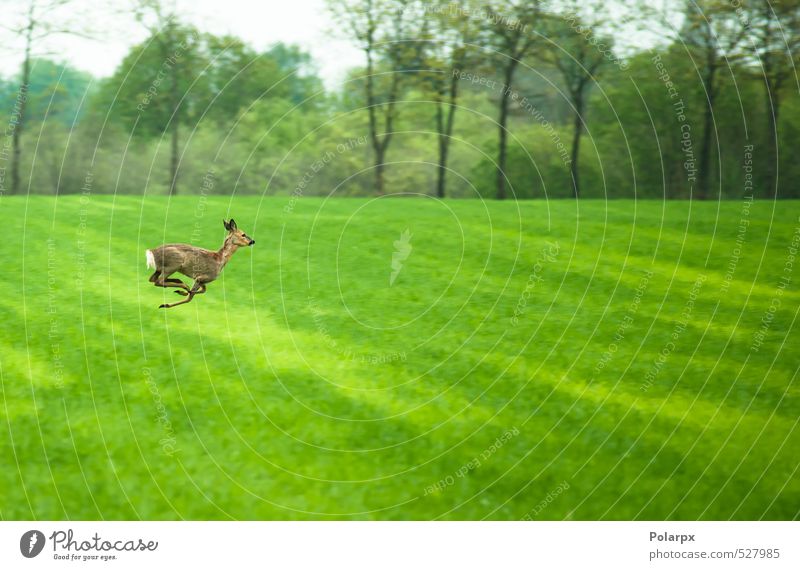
point(521, 364)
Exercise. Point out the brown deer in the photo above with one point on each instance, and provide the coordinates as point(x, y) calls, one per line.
point(200, 264)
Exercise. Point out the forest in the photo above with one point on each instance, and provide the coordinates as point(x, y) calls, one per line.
point(489, 100)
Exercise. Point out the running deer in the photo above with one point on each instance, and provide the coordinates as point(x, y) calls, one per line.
point(200, 264)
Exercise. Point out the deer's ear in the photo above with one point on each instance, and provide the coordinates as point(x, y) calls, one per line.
point(227, 225)
point(232, 224)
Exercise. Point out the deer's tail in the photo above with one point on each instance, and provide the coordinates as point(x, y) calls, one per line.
point(150, 258)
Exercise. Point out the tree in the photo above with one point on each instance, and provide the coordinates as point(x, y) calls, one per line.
point(152, 89)
point(380, 28)
point(509, 31)
point(577, 49)
point(175, 48)
point(55, 92)
point(774, 32)
point(452, 32)
point(209, 78)
point(298, 72)
point(234, 75)
point(35, 22)
point(712, 32)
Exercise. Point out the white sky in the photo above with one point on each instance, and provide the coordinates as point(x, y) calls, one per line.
point(259, 23)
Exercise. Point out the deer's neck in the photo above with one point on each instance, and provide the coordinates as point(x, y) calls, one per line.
point(226, 251)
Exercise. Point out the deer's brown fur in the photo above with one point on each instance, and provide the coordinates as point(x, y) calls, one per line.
point(202, 265)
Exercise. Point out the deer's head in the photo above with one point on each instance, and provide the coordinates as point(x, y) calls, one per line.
point(237, 236)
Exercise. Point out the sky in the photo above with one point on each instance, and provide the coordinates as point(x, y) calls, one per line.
point(259, 23)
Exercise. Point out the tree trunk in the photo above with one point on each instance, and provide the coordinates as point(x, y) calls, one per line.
point(378, 144)
point(503, 119)
point(380, 152)
point(22, 101)
point(173, 170)
point(175, 102)
point(777, 150)
point(771, 102)
point(705, 154)
point(440, 180)
point(445, 128)
point(703, 187)
point(771, 175)
point(444, 149)
point(577, 131)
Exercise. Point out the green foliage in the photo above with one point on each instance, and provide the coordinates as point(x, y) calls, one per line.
point(55, 92)
point(299, 73)
point(161, 82)
point(638, 130)
point(535, 167)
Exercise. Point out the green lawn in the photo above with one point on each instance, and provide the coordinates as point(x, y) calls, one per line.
point(583, 360)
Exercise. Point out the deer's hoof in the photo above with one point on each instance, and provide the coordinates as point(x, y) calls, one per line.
point(164, 306)
point(181, 292)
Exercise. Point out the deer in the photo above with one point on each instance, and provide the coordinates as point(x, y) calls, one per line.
point(202, 265)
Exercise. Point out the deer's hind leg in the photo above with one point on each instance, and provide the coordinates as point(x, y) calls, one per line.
point(161, 279)
point(195, 290)
point(198, 292)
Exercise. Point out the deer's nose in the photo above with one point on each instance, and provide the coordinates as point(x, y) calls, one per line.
point(252, 241)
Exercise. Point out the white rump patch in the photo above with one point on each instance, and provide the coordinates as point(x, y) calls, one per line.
point(151, 260)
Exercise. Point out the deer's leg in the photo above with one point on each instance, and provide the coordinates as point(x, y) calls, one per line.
point(198, 292)
point(165, 281)
point(175, 283)
point(190, 295)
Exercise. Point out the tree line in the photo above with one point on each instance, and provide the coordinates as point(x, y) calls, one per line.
point(493, 99)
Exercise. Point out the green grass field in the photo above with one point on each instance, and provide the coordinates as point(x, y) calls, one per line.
point(579, 360)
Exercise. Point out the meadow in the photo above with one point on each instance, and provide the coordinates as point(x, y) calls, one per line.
point(503, 360)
